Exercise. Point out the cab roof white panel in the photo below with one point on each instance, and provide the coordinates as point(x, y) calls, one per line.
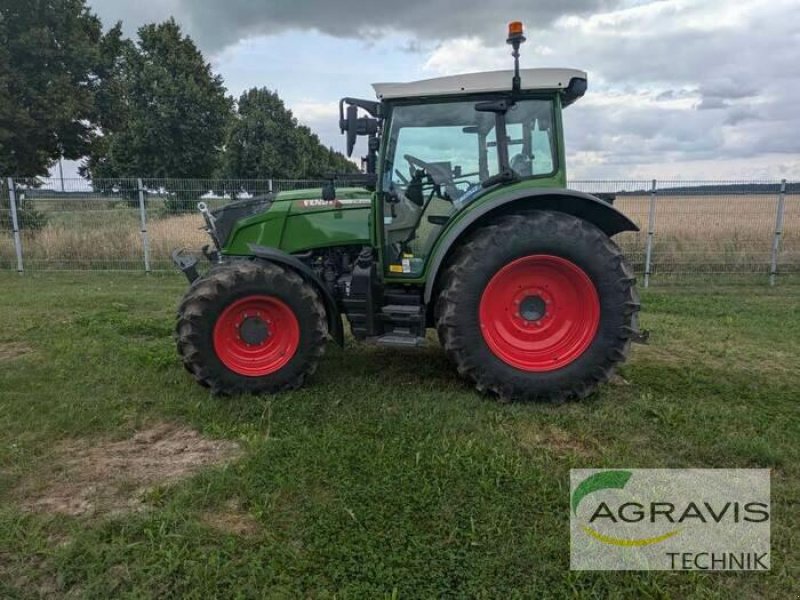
point(477, 83)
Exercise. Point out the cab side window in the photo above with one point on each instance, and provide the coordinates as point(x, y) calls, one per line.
point(542, 148)
point(531, 143)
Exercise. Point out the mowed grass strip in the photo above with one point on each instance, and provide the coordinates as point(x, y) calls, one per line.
point(387, 476)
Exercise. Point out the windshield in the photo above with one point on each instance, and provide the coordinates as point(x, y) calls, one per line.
point(445, 135)
point(457, 145)
point(439, 154)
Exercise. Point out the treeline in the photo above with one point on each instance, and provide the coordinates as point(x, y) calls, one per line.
point(149, 106)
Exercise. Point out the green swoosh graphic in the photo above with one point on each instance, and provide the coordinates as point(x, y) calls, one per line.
point(607, 539)
point(599, 481)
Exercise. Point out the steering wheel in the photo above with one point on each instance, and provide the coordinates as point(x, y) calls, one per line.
point(440, 174)
point(416, 162)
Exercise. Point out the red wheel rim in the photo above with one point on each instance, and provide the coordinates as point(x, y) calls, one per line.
point(256, 335)
point(539, 313)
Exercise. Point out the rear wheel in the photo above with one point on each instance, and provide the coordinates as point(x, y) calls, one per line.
point(251, 327)
point(537, 306)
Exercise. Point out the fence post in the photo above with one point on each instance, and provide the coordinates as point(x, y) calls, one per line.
point(269, 185)
point(143, 217)
point(12, 200)
point(651, 225)
point(776, 240)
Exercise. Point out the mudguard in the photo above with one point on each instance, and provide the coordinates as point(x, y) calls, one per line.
point(585, 206)
point(335, 327)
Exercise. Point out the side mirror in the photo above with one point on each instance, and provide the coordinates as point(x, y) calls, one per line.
point(329, 191)
point(353, 126)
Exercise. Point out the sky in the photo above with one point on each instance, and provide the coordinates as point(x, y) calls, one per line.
point(678, 89)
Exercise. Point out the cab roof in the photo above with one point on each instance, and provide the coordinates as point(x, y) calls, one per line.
point(478, 83)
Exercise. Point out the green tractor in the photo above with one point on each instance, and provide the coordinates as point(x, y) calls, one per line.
point(462, 222)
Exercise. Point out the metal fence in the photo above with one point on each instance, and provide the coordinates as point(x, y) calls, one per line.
point(720, 230)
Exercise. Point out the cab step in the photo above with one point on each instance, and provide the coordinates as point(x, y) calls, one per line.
point(404, 339)
point(404, 325)
point(400, 313)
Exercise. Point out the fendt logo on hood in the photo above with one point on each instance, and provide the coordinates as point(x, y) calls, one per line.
point(338, 203)
point(716, 519)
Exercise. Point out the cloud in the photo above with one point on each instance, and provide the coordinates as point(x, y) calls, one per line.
point(135, 14)
point(310, 111)
point(712, 103)
point(464, 55)
point(216, 24)
point(672, 84)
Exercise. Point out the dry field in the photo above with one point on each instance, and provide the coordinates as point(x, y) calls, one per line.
point(713, 234)
point(706, 234)
point(105, 239)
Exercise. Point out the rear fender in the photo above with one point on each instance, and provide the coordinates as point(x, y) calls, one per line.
point(335, 327)
point(585, 206)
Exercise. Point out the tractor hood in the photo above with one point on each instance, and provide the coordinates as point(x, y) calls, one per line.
point(251, 219)
point(343, 193)
point(226, 217)
point(310, 199)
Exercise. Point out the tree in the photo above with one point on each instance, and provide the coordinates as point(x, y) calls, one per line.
point(265, 140)
point(163, 113)
point(48, 73)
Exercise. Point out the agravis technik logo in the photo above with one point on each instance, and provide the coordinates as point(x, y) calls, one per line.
point(611, 480)
point(670, 519)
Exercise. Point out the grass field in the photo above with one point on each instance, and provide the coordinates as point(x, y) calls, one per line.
point(386, 477)
point(694, 235)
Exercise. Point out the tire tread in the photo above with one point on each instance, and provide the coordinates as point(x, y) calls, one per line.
point(197, 307)
point(493, 238)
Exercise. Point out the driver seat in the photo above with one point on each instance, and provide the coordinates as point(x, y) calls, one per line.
point(522, 165)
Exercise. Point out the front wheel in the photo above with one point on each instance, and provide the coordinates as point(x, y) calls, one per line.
point(537, 306)
point(250, 328)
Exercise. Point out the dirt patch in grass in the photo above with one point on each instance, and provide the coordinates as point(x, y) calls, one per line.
point(12, 350)
point(533, 436)
point(110, 477)
point(232, 519)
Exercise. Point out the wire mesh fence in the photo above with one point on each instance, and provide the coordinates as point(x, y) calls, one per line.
point(715, 229)
point(788, 251)
point(719, 230)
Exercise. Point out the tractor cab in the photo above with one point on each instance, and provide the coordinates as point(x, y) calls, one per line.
point(450, 140)
point(437, 145)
